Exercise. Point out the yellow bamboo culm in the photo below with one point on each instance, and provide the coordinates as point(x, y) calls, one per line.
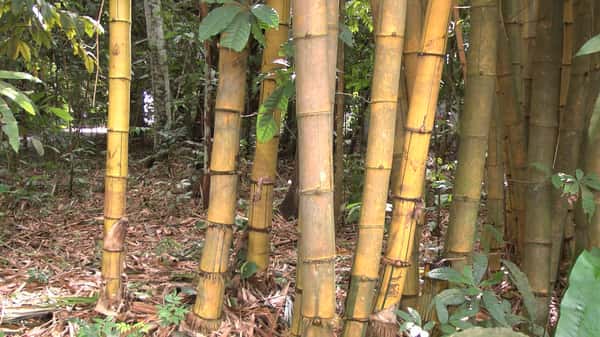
point(206, 312)
point(115, 225)
point(260, 213)
point(474, 127)
point(389, 42)
point(315, 159)
point(417, 135)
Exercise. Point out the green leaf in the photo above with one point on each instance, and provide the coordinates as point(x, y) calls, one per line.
point(266, 127)
point(448, 274)
point(266, 15)
point(578, 174)
point(590, 47)
point(556, 181)
point(494, 307)
point(18, 97)
point(579, 309)
point(587, 202)
point(248, 269)
point(38, 146)
point(445, 298)
point(17, 75)
point(258, 35)
point(592, 181)
point(62, 113)
point(496, 278)
point(480, 264)
point(10, 126)
point(522, 283)
point(346, 35)
point(236, 35)
point(217, 20)
point(488, 332)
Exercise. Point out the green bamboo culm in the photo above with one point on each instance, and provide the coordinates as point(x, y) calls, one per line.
point(543, 132)
point(474, 127)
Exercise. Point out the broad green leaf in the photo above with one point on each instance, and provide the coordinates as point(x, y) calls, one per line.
point(488, 332)
point(17, 75)
point(9, 125)
point(248, 269)
point(266, 15)
point(494, 307)
point(415, 314)
point(587, 202)
point(258, 35)
point(217, 20)
point(38, 146)
point(578, 174)
point(480, 264)
point(556, 181)
point(579, 309)
point(446, 298)
point(448, 274)
point(592, 181)
point(522, 283)
point(62, 113)
point(266, 128)
point(496, 278)
point(590, 47)
point(18, 97)
point(236, 35)
point(346, 35)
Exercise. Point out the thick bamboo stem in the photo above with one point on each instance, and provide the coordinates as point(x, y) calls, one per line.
point(529, 10)
point(543, 132)
point(206, 312)
point(419, 124)
point(264, 169)
point(475, 123)
point(315, 152)
point(389, 42)
point(119, 82)
point(572, 116)
point(495, 191)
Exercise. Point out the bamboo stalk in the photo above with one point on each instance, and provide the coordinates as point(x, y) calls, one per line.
point(543, 131)
point(339, 112)
point(419, 124)
point(475, 123)
point(572, 117)
point(495, 191)
point(206, 312)
point(260, 215)
point(515, 126)
point(389, 43)
point(115, 225)
point(529, 10)
point(315, 152)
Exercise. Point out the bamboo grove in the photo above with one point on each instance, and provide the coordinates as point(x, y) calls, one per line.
point(527, 121)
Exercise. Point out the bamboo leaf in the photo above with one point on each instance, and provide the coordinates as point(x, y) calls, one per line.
point(236, 35)
point(217, 20)
point(62, 113)
point(18, 97)
point(266, 15)
point(590, 47)
point(522, 283)
point(17, 75)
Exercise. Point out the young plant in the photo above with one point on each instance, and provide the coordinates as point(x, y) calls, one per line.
point(412, 324)
point(461, 306)
point(108, 327)
point(172, 312)
point(579, 186)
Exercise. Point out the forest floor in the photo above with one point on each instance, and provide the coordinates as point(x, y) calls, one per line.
point(50, 248)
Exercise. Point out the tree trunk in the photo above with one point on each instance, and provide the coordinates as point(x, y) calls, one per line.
point(474, 127)
point(409, 188)
point(206, 312)
point(264, 168)
point(115, 186)
point(159, 66)
point(315, 154)
point(543, 131)
point(389, 42)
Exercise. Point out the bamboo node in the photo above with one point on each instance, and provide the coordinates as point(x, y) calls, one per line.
point(261, 181)
point(395, 262)
point(401, 198)
point(223, 226)
point(266, 230)
point(222, 173)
